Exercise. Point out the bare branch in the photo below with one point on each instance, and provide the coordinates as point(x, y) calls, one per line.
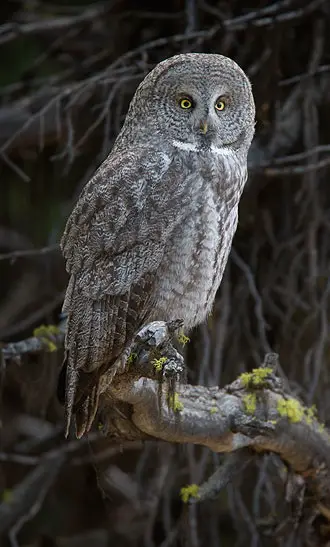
point(10, 31)
point(270, 16)
point(47, 338)
point(27, 497)
point(14, 255)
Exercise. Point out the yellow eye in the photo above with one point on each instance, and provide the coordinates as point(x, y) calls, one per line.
point(185, 103)
point(220, 105)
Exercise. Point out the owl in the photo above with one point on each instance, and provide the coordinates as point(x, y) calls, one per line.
point(150, 234)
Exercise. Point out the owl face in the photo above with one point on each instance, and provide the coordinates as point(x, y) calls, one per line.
point(200, 101)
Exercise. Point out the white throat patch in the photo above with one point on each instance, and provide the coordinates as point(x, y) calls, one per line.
point(222, 151)
point(186, 146)
point(190, 147)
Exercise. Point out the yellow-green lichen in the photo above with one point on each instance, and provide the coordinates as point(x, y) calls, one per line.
point(256, 378)
point(183, 339)
point(174, 403)
point(190, 491)
point(213, 410)
point(250, 403)
point(45, 332)
point(290, 409)
point(131, 358)
point(158, 364)
point(296, 412)
point(50, 345)
point(310, 414)
point(321, 427)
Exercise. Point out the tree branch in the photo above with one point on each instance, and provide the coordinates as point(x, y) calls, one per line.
point(45, 338)
point(10, 31)
point(252, 416)
point(219, 419)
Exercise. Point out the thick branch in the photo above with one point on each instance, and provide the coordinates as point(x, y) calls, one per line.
point(255, 414)
point(218, 418)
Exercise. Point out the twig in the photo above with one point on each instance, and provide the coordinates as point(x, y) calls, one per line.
point(268, 15)
point(324, 148)
point(14, 255)
point(34, 317)
point(10, 31)
point(301, 77)
point(296, 169)
point(27, 497)
point(258, 307)
point(36, 344)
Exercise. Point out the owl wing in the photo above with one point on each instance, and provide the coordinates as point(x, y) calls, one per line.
point(113, 244)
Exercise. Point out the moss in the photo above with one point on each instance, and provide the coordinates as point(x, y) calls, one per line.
point(44, 332)
point(310, 414)
point(250, 403)
point(158, 364)
point(190, 491)
point(132, 358)
point(296, 412)
point(174, 403)
point(183, 339)
point(256, 378)
point(291, 409)
point(50, 345)
point(213, 410)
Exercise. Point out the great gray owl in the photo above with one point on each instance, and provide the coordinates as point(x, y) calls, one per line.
point(150, 234)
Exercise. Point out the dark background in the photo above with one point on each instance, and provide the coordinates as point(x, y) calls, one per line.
point(68, 71)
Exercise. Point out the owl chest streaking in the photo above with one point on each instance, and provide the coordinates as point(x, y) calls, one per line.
point(150, 234)
point(197, 251)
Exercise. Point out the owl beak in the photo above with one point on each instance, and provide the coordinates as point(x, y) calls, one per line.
point(203, 127)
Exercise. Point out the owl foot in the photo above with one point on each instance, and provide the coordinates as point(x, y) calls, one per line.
point(153, 354)
point(169, 364)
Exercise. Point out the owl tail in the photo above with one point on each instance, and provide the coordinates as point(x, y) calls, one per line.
point(86, 411)
point(66, 391)
point(80, 399)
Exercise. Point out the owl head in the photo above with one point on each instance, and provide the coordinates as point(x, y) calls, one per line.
point(196, 101)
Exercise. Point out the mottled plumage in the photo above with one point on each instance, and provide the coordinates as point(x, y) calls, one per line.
point(150, 235)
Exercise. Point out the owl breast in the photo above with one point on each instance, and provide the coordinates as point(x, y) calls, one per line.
point(196, 255)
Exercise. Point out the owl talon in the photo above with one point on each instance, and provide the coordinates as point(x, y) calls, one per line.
point(155, 338)
point(174, 366)
point(157, 333)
